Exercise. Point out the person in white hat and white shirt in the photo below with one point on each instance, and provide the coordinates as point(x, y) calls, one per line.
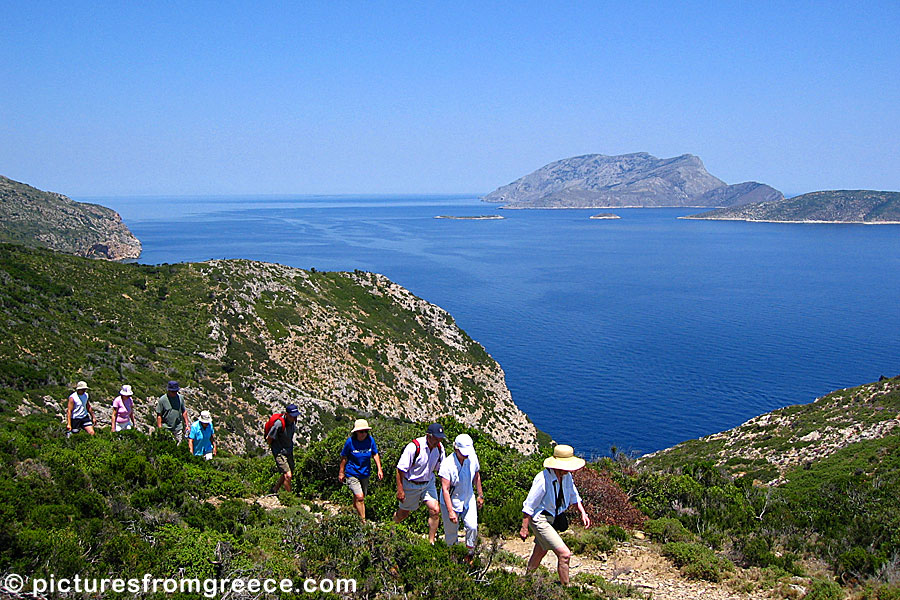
point(79, 412)
point(460, 479)
point(122, 411)
point(200, 440)
point(552, 492)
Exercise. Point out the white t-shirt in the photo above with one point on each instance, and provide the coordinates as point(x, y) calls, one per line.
point(422, 469)
point(461, 478)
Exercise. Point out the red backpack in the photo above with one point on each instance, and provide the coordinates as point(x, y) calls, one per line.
point(271, 421)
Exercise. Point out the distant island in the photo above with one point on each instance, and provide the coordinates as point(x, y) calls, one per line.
point(473, 218)
point(605, 216)
point(35, 218)
point(627, 181)
point(830, 206)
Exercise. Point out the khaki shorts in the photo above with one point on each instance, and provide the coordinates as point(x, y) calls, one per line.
point(358, 485)
point(416, 493)
point(544, 534)
point(285, 463)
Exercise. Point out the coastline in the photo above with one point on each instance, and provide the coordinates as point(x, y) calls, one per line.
point(597, 207)
point(795, 222)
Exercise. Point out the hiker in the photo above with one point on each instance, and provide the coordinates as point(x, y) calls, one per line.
point(356, 464)
point(122, 411)
point(79, 412)
point(200, 440)
point(415, 477)
point(460, 479)
point(280, 437)
point(552, 492)
point(170, 409)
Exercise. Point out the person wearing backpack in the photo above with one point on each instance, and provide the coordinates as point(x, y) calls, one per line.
point(420, 460)
point(279, 432)
point(356, 464)
point(460, 477)
point(552, 492)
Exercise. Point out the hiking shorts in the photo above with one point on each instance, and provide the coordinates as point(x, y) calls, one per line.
point(416, 493)
point(358, 485)
point(124, 426)
point(285, 463)
point(544, 534)
point(79, 423)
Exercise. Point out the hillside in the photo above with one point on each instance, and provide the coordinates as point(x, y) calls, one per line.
point(35, 218)
point(243, 338)
point(770, 447)
point(834, 206)
point(630, 180)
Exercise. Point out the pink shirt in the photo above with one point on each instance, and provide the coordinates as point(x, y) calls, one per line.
point(122, 408)
point(423, 468)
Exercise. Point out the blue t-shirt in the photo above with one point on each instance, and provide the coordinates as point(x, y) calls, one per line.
point(202, 438)
point(359, 456)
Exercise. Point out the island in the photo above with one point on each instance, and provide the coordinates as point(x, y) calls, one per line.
point(472, 218)
point(829, 206)
point(605, 216)
point(637, 180)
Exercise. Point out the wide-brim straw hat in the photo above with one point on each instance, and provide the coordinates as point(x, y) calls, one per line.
point(563, 458)
point(360, 425)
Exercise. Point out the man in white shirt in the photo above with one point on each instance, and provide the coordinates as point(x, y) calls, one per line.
point(415, 477)
point(460, 476)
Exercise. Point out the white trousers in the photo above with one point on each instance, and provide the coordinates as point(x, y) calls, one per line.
point(468, 517)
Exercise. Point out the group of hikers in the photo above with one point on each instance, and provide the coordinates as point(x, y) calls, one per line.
point(449, 486)
point(171, 414)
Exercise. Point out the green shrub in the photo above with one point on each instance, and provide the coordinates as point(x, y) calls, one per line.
point(824, 589)
point(697, 561)
point(667, 530)
point(588, 542)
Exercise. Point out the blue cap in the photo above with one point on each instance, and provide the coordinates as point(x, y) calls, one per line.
point(172, 386)
point(436, 430)
point(292, 410)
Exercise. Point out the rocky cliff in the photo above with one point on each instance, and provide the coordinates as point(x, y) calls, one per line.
point(833, 206)
point(243, 338)
point(36, 218)
point(630, 180)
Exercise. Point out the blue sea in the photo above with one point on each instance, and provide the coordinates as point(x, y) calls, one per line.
point(638, 333)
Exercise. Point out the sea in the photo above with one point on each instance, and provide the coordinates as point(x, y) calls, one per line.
point(635, 333)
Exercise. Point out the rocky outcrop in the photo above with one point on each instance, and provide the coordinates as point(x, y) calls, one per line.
point(630, 180)
point(330, 358)
point(836, 206)
point(35, 218)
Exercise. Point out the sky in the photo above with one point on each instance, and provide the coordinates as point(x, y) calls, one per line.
point(230, 98)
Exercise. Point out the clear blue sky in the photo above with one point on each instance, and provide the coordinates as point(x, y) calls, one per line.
point(392, 97)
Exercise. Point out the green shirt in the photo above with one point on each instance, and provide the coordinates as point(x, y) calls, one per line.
point(171, 409)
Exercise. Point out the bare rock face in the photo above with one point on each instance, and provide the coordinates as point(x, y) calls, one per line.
point(630, 180)
point(35, 218)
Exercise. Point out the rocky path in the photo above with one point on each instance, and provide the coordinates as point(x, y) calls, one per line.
point(637, 563)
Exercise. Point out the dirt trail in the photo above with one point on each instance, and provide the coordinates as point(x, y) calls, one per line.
point(637, 563)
